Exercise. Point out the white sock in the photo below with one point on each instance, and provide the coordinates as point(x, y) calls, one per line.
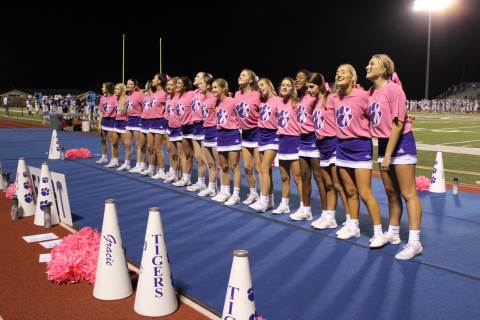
point(414, 236)
point(201, 181)
point(377, 229)
point(285, 201)
point(301, 204)
point(178, 173)
point(211, 185)
point(253, 191)
point(151, 168)
point(225, 189)
point(114, 160)
point(264, 200)
point(330, 214)
point(186, 177)
point(161, 170)
point(271, 197)
point(171, 170)
point(307, 209)
point(324, 213)
point(104, 157)
point(127, 163)
point(142, 165)
point(348, 217)
point(354, 223)
point(236, 191)
point(393, 229)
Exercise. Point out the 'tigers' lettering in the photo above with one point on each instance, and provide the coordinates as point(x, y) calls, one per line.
point(157, 263)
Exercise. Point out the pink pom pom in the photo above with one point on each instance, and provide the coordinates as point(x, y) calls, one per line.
point(84, 153)
point(75, 258)
point(71, 154)
point(10, 191)
point(422, 183)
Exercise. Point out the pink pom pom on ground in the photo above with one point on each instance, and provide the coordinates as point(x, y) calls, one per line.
point(75, 258)
point(10, 191)
point(422, 183)
point(84, 153)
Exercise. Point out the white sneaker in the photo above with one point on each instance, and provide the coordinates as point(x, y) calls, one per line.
point(160, 175)
point(112, 164)
point(271, 202)
point(124, 167)
point(344, 223)
point(147, 172)
point(137, 169)
point(281, 209)
point(348, 232)
point(300, 215)
point(378, 241)
point(259, 206)
point(221, 197)
point(233, 200)
point(170, 178)
point(182, 183)
point(324, 222)
point(197, 186)
point(409, 251)
point(102, 161)
point(207, 192)
point(392, 238)
point(252, 197)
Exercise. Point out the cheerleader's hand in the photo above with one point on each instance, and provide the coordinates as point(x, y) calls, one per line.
point(385, 165)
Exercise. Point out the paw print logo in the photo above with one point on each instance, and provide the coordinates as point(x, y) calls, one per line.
point(344, 116)
point(44, 179)
point(45, 191)
point(28, 197)
point(180, 109)
point(222, 116)
point(107, 106)
point(26, 185)
point(283, 119)
point(43, 204)
point(265, 112)
point(318, 120)
point(374, 113)
point(205, 112)
point(250, 294)
point(301, 114)
point(58, 147)
point(243, 109)
point(153, 102)
point(434, 170)
point(195, 105)
point(170, 109)
point(129, 105)
point(433, 180)
point(24, 174)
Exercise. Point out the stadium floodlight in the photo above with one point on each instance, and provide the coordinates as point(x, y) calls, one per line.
point(430, 6)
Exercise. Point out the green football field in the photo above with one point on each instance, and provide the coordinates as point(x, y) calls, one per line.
point(459, 132)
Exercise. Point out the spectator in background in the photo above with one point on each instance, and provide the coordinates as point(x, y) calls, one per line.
point(5, 105)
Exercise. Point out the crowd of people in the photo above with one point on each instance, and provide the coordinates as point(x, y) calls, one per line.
point(315, 132)
point(464, 105)
point(57, 104)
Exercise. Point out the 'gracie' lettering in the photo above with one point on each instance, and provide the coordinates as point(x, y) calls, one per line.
point(110, 241)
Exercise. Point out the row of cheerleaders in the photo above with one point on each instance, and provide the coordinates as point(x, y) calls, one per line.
point(312, 130)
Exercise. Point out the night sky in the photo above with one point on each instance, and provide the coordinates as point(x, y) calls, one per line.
point(80, 47)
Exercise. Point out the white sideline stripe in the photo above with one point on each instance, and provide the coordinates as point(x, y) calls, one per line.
point(207, 313)
point(460, 142)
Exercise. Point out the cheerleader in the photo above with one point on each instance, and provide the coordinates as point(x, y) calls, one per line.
point(108, 122)
point(397, 153)
point(183, 108)
point(267, 143)
point(140, 141)
point(247, 101)
point(288, 138)
point(229, 143)
point(326, 141)
point(354, 154)
point(308, 152)
point(174, 132)
point(120, 116)
point(156, 124)
point(134, 106)
point(210, 135)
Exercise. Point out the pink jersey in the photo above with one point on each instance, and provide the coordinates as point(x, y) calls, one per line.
point(135, 104)
point(208, 111)
point(324, 119)
point(118, 114)
point(226, 114)
point(287, 120)
point(246, 106)
point(183, 107)
point(107, 106)
point(197, 106)
point(304, 113)
point(268, 116)
point(384, 106)
point(168, 107)
point(174, 120)
point(156, 105)
point(146, 105)
point(351, 115)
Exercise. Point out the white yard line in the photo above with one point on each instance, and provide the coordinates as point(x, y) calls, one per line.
point(460, 142)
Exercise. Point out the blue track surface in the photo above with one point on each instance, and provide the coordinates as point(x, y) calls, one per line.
point(298, 272)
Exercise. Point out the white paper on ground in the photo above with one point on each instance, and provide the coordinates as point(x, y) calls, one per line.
point(40, 237)
point(44, 257)
point(50, 244)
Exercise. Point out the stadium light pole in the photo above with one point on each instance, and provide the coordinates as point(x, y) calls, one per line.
point(430, 6)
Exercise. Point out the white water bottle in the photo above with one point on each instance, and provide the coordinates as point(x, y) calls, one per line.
point(455, 186)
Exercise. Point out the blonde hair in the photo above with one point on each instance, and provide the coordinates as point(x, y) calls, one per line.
point(253, 77)
point(387, 63)
point(269, 85)
point(222, 83)
point(336, 89)
point(294, 95)
point(122, 98)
